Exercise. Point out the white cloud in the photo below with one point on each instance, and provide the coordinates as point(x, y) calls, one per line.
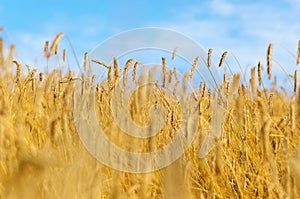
point(295, 4)
point(81, 32)
point(245, 29)
point(30, 46)
point(222, 7)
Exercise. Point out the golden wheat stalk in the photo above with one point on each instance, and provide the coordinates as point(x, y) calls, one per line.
point(194, 67)
point(175, 73)
point(33, 86)
point(9, 58)
point(295, 81)
point(209, 57)
point(54, 46)
point(83, 83)
point(227, 89)
point(170, 76)
point(1, 53)
point(109, 75)
point(225, 86)
point(85, 60)
point(185, 81)
point(203, 89)
point(174, 53)
point(69, 75)
point(298, 53)
point(222, 58)
point(18, 74)
point(265, 139)
point(46, 50)
point(32, 73)
point(125, 74)
point(293, 115)
point(64, 56)
point(136, 64)
point(270, 103)
point(218, 161)
point(252, 81)
point(235, 83)
point(164, 70)
point(269, 60)
point(100, 63)
point(224, 78)
point(116, 70)
point(175, 87)
point(28, 68)
point(200, 88)
point(163, 97)
point(259, 73)
point(41, 77)
point(93, 80)
point(275, 82)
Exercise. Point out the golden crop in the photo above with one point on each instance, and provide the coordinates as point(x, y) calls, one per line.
point(41, 155)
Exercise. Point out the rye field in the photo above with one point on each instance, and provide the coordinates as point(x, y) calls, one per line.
point(41, 155)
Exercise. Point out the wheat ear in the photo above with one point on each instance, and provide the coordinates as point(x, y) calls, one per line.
point(222, 58)
point(209, 57)
point(54, 46)
point(269, 60)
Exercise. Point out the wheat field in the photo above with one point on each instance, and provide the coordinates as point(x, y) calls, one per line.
point(41, 155)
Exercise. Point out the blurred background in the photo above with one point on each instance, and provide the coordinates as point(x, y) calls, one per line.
point(244, 28)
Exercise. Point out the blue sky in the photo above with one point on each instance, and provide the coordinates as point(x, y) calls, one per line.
point(242, 27)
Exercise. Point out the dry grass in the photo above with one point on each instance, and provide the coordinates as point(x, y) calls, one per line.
point(41, 155)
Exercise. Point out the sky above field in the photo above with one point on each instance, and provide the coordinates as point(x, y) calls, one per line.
point(242, 27)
